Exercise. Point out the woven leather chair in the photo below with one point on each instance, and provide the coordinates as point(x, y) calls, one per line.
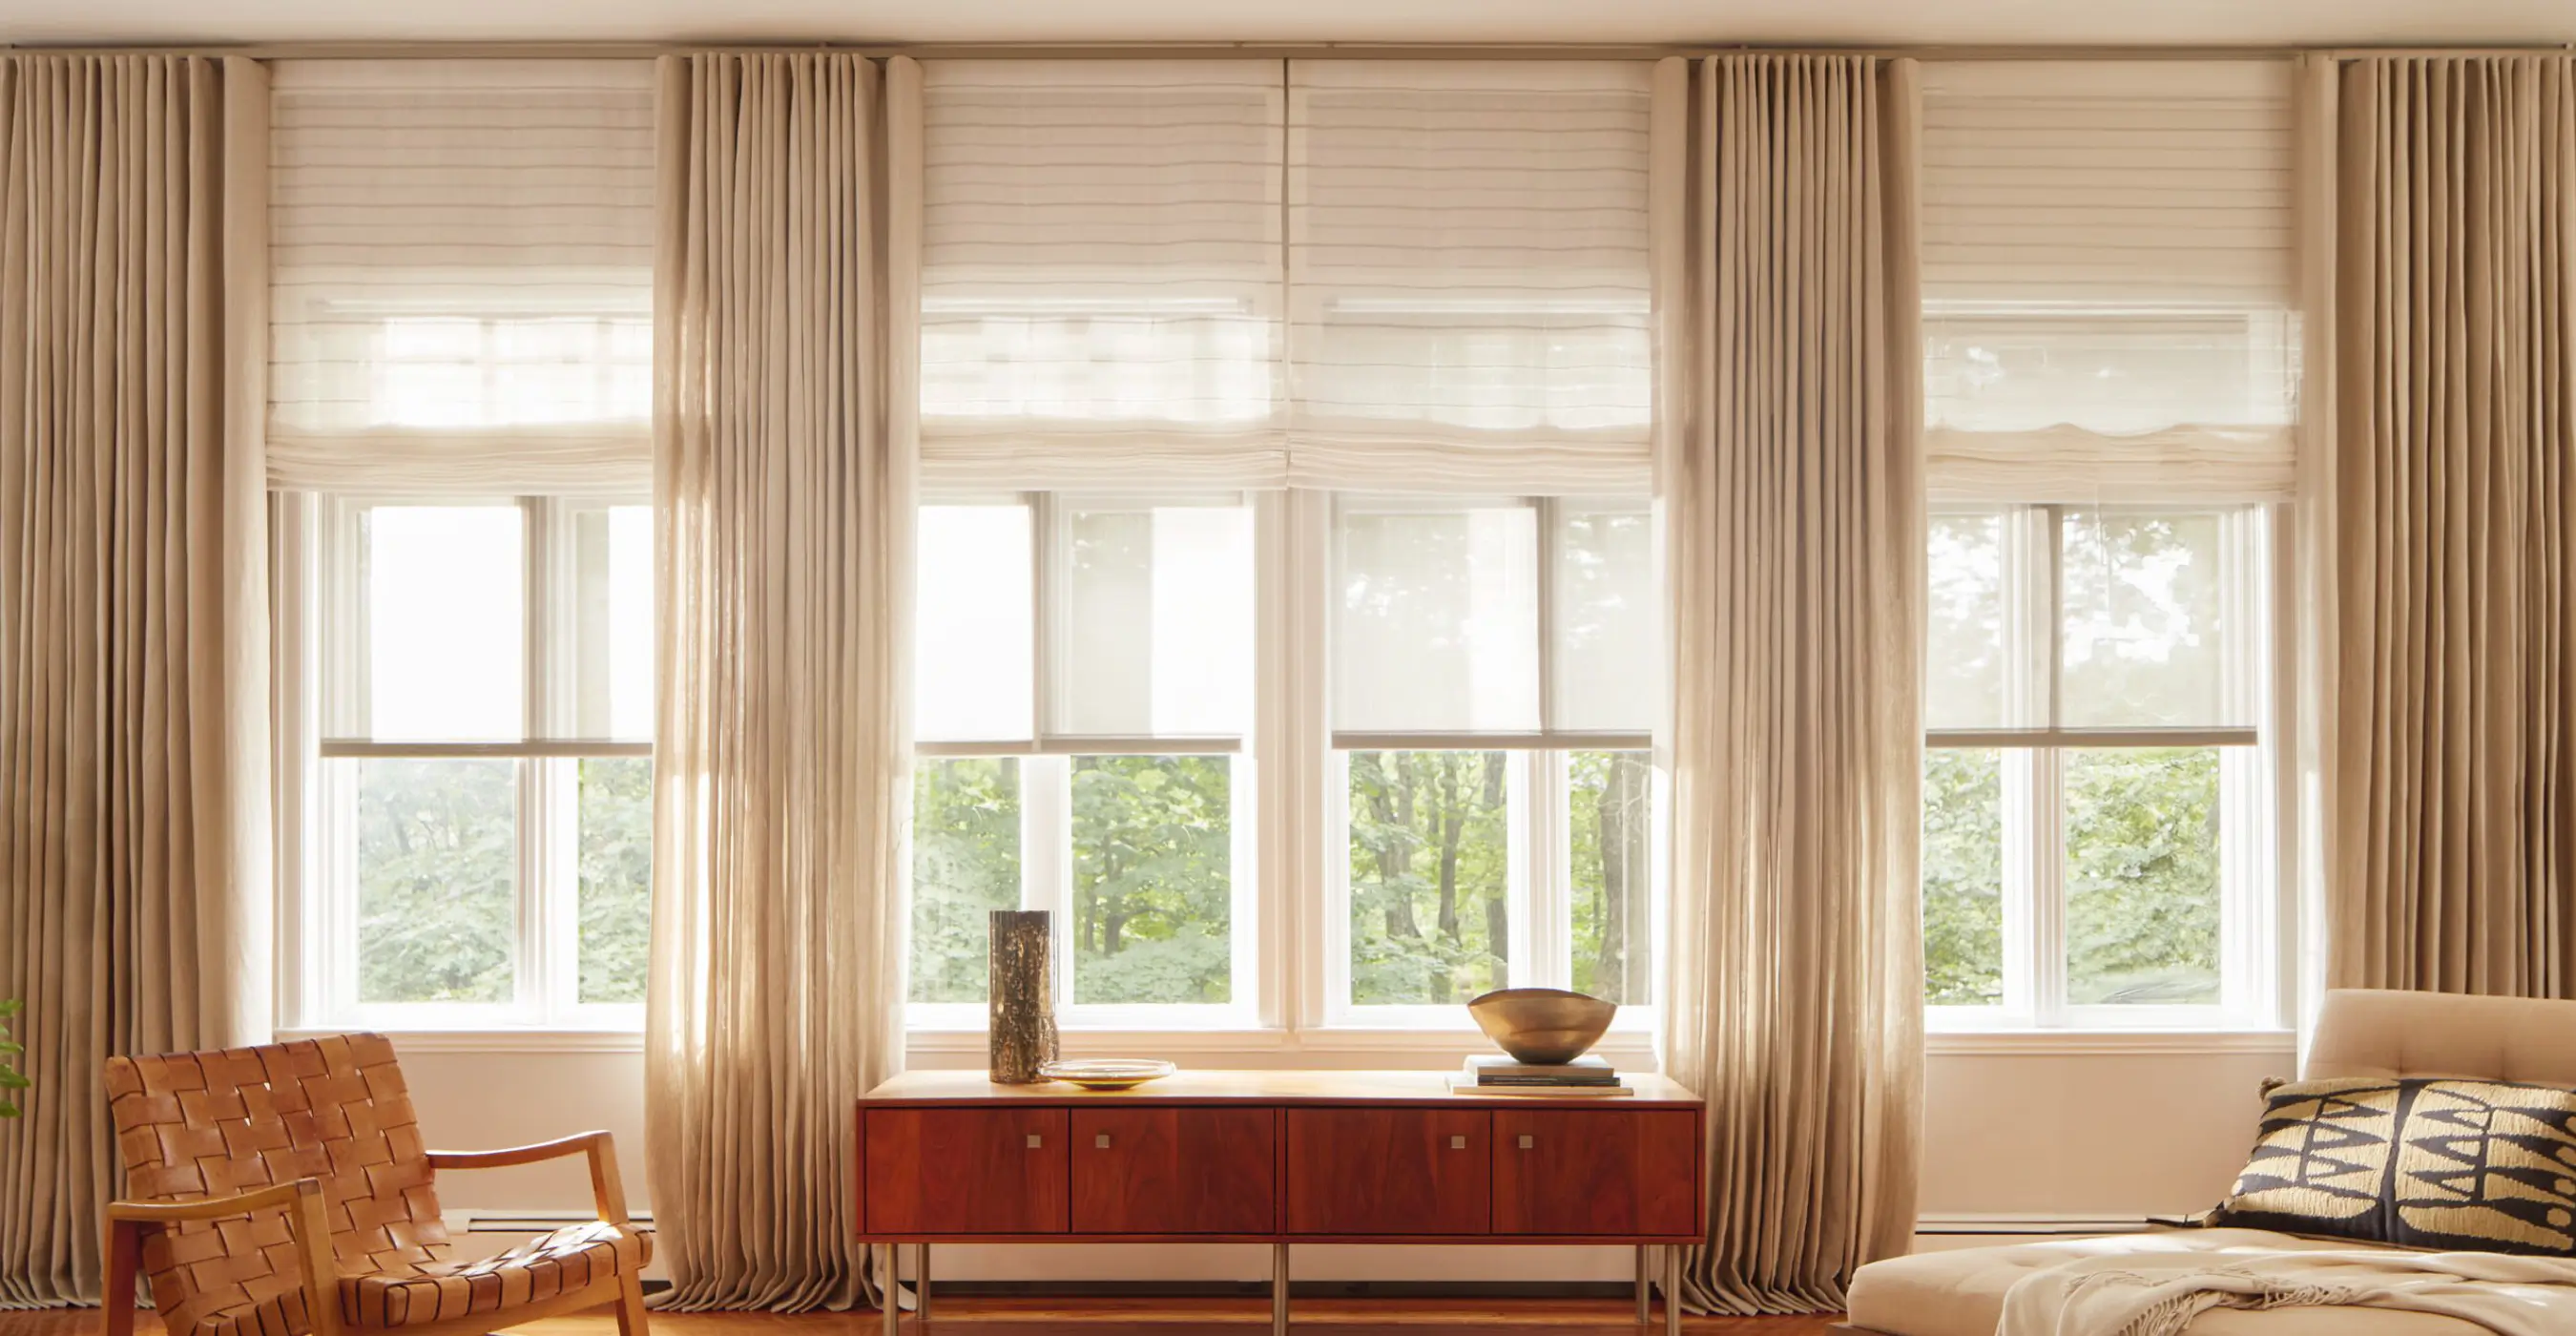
point(283, 1191)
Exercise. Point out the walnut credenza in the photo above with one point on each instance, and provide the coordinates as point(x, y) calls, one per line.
point(1276, 1157)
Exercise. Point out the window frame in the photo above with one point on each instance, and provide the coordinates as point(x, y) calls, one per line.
point(322, 949)
point(2257, 880)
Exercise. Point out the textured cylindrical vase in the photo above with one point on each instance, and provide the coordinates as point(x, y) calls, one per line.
point(1022, 995)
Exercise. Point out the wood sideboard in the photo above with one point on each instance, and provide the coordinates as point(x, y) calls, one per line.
point(1281, 1157)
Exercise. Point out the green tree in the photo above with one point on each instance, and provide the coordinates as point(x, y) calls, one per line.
point(1430, 900)
point(438, 858)
point(1611, 795)
point(616, 877)
point(1153, 841)
point(1963, 877)
point(965, 864)
point(2142, 875)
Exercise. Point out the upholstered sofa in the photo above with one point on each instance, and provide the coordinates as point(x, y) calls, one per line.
point(2359, 1033)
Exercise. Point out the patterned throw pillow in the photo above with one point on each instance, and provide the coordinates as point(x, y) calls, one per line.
point(2481, 1166)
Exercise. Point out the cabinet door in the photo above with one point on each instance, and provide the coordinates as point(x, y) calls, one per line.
point(1596, 1171)
point(964, 1171)
point(1389, 1171)
point(1174, 1171)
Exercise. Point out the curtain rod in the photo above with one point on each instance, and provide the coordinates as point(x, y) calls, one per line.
point(1262, 50)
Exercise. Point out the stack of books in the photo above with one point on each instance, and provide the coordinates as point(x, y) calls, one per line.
point(1497, 1074)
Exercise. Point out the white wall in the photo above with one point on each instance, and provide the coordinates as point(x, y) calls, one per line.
point(2011, 1139)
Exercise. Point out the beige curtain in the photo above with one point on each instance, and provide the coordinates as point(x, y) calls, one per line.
point(2453, 831)
point(133, 607)
point(1793, 502)
point(784, 486)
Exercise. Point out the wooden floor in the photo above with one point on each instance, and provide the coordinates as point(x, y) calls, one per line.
point(984, 1316)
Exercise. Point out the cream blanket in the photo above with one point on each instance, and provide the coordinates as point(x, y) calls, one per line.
point(2158, 1294)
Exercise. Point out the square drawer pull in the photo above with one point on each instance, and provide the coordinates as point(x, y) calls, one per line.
point(1528, 1141)
point(1035, 1141)
point(1102, 1141)
point(1457, 1143)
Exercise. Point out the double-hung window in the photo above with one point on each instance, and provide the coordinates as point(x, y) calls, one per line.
point(459, 395)
point(2111, 349)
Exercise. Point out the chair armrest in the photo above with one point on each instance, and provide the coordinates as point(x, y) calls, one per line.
point(308, 1225)
point(605, 1184)
point(278, 1197)
point(576, 1144)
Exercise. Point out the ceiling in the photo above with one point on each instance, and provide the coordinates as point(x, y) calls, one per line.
point(1822, 22)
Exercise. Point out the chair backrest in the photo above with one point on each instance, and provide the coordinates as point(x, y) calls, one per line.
point(2379, 1032)
point(197, 1125)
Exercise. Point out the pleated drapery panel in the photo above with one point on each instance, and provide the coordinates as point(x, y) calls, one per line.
point(1793, 500)
point(2453, 831)
point(785, 446)
point(133, 608)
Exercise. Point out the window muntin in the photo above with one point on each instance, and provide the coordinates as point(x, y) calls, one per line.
point(484, 785)
point(2098, 800)
point(1111, 782)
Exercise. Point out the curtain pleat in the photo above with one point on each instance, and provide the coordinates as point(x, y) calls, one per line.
point(133, 612)
point(2455, 739)
point(1793, 503)
point(785, 481)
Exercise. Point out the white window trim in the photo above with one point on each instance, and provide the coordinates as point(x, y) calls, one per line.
point(317, 567)
point(2259, 875)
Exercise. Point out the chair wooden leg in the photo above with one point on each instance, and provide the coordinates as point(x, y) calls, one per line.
point(630, 1305)
point(124, 1256)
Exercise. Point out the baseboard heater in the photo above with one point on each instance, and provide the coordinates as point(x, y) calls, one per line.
point(2037, 1226)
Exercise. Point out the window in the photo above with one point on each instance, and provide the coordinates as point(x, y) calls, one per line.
point(485, 813)
point(460, 322)
point(1492, 680)
point(2097, 837)
point(1363, 280)
point(2110, 374)
point(1085, 684)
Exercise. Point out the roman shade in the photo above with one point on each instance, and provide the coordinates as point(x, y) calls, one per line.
point(2108, 279)
point(462, 276)
point(1101, 273)
point(1469, 289)
point(1388, 275)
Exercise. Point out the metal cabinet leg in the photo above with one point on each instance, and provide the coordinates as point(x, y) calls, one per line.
point(1279, 1289)
point(1672, 1290)
point(890, 1285)
point(921, 1284)
point(1645, 1284)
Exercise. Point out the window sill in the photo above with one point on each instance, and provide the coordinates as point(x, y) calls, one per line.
point(2071, 1043)
point(515, 1040)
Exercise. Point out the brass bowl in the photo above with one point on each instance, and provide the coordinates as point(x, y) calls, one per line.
point(1542, 1025)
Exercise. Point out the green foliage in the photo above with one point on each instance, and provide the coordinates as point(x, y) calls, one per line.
point(1153, 841)
point(2141, 877)
point(438, 871)
point(2142, 891)
point(616, 878)
point(1963, 878)
point(438, 854)
point(11, 1079)
point(1611, 799)
point(1429, 876)
point(965, 864)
